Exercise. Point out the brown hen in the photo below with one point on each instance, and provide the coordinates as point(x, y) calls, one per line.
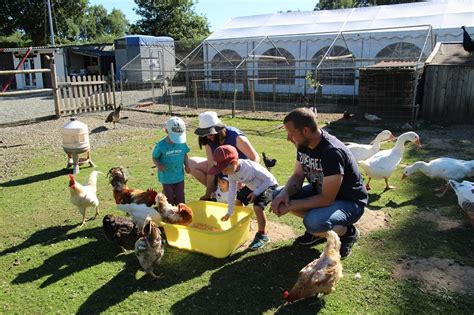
point(121, 231)
point(180, 214)
point(118, 178)
point(320, 275)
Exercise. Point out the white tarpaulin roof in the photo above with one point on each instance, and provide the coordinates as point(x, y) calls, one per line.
point(440, 15)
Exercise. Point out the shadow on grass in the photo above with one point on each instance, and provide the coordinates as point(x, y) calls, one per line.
point(36, 178)
point(72, 260)
point(254, 285)
point(44, 237)
point(176, 266)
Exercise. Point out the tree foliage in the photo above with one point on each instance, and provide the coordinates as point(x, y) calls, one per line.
point(341, 4)
point(175, 18)
point(74, 21)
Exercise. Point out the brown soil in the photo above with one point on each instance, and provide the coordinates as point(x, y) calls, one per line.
point(372, 220)
point(437, 275)
point(276, 231)
point(443, 222)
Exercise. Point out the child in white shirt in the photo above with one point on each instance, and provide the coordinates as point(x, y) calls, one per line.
point(220, 195)
point(259, 187)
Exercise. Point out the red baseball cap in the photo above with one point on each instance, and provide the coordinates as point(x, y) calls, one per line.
point(223, 156)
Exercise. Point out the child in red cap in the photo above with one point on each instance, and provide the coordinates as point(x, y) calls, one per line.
point(259, 187)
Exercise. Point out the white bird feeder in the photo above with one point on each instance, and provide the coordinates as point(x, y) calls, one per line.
point(75, 136)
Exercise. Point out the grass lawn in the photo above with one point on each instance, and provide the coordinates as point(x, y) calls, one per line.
point(48, 264)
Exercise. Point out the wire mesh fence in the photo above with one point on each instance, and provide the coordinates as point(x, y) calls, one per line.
point(269, 76)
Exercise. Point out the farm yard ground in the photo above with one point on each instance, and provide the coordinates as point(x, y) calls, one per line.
point(415, 254)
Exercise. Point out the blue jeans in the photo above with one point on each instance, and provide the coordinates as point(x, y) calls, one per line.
point(317, 220)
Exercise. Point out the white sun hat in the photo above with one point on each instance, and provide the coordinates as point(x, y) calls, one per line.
point(209, 124)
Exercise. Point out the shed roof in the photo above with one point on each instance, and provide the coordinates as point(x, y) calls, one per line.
point(450, 54)
point(147, 40)
point(449, 14)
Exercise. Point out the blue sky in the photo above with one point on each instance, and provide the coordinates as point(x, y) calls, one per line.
point(218, 12)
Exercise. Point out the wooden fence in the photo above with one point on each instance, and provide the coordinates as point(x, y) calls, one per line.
point(73, 94)
point(85, 94)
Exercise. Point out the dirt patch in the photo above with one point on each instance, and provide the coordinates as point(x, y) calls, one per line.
point(443, 222)
point(437, 275)
point(372, 221)
point(276, 231)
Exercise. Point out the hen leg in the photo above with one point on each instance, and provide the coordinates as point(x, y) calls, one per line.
point(387, 186)
point(443, 189)
point(96, 212)
point(367, 186)
point(151, 273)
point(83, 211)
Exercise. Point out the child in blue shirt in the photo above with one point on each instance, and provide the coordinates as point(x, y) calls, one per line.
point(170, 156)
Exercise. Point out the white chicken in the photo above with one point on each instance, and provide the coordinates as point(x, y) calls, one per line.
point(383, 164)
point(444, 168)
point(139, 213)
point(321, 275)
point(365, 151)
point(84, 196)
point(465, 193)
point(371, 117)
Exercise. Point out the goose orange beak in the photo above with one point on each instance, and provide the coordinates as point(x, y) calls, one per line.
point(418, 142)
point(392, 138)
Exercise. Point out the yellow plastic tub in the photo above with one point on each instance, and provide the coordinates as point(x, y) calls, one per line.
point(208, 234)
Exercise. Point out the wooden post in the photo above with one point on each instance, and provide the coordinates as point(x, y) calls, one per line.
point(252, 95)
point(171, 97)
point(112, 77)
point(220, 89)
point(274, 91)
point(54, 82)
point(195, 94)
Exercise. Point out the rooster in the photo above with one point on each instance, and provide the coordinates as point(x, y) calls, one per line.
point(114, 116)
point(118, 178)
point(269, 162)
point(85, 196)
point(180, 214)
point(121, 231)
point(149, 248)
point(320, 275)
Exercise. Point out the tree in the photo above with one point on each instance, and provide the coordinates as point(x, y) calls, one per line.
point(73, 21)
point(174, 18)
point(340, 4)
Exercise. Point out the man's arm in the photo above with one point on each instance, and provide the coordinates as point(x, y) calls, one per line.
point(330, 189)
point(292, 186)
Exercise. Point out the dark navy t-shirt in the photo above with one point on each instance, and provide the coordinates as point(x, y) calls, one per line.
point(231, 138)
point(332, 157)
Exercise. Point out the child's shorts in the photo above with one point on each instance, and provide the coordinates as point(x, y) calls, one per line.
point(261, 201)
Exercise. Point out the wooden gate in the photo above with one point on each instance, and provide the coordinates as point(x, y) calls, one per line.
point(79, 94)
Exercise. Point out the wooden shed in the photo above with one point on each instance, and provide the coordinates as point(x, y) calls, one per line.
point(449, 84)
point(388, 89)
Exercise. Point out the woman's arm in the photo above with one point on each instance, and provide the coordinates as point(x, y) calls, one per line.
point(210, 187)
point(244, 145)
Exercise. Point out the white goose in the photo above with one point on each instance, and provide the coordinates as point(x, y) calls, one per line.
point(465, 193)
point(445, 168)
point(383, 164)
point(364, 151)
